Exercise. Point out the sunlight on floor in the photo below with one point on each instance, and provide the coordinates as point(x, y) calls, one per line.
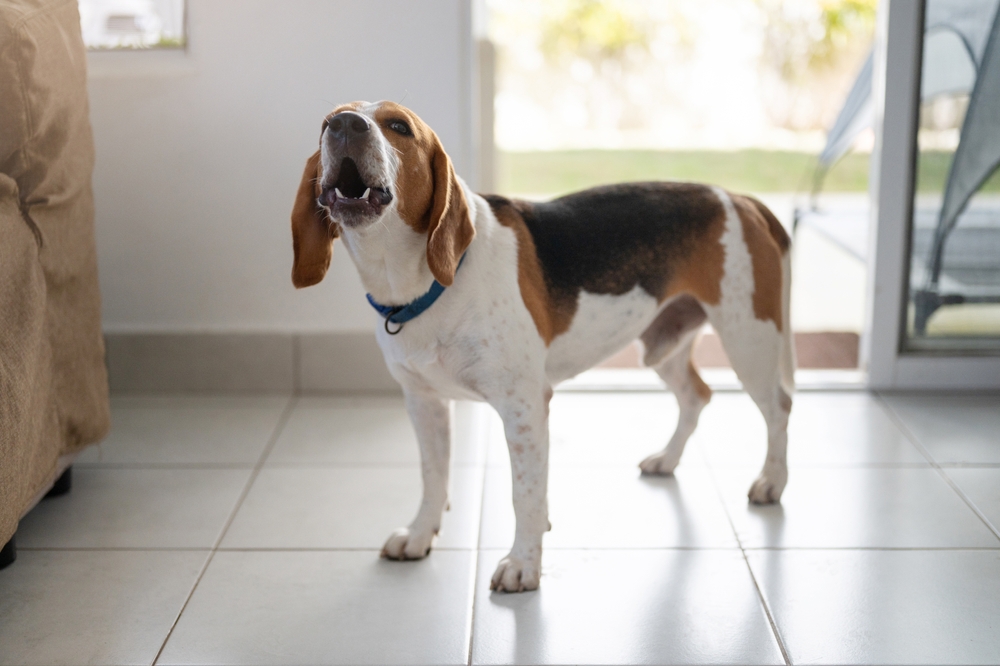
point(257, 522)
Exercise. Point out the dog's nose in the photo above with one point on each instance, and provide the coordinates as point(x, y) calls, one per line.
point(348, 124)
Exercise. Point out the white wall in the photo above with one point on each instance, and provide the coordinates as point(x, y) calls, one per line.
point(199, 153)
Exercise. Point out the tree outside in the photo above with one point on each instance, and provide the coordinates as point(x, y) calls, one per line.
point(700, 76)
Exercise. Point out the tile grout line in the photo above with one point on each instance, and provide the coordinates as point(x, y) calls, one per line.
point(485, 434)
point(935, 465)
point(746, 560)
point(278, 428)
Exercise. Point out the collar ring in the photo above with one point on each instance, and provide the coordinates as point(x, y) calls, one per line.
point(389, 330)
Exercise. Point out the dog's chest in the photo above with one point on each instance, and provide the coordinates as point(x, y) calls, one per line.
point(477, 342)
point(477, 363)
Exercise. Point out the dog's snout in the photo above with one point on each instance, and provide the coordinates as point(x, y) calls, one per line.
point(348, 124)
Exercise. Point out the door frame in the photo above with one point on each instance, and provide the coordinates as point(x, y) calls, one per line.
point(899, 44)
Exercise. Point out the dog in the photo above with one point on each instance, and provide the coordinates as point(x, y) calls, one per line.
point(497, 300)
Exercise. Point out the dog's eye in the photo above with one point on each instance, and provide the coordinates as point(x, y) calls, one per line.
point(399, 127)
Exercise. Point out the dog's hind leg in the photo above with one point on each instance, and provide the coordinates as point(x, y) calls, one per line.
point(752, 320)
point(756, 362)
point(692, 395)
point(673, 334)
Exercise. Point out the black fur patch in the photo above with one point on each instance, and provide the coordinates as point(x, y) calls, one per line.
point(607, 240)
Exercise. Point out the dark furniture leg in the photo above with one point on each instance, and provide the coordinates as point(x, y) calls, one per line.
point(8, 553)
point(62, 485)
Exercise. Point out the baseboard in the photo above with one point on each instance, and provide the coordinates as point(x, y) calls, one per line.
point(342, 362)
point(285, 363)
point(264, 363)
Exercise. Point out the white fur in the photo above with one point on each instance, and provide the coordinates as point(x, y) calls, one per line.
point(755, 349)
point(603, 325)
point(479, 341)
point(391, 258)
point(480, 345)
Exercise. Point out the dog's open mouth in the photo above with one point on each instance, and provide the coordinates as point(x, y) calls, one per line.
point(350, 198)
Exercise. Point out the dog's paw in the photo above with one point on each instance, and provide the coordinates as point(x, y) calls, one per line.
point(767, 488)
point(660, 464)
point(515, 574)
point(408, 544)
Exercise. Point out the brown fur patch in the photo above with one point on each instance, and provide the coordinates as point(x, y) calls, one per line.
point(784, 401)
point(765, 252)
point(700, 272)
point(312, 234)
point(661, 337)
point(777, 231)
point(550, 319)
point(699, 385)
point(450, 232)
point(415, 180)
point(429, 197)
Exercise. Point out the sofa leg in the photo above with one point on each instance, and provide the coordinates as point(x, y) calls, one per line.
point(62, 485)
point(8, 553)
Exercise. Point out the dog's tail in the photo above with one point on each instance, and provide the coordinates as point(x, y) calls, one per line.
point(781, 237)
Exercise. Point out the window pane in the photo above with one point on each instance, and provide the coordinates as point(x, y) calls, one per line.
point(114, 24)
point(955, 243)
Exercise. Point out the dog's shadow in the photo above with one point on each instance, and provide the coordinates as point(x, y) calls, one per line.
point(609, 604)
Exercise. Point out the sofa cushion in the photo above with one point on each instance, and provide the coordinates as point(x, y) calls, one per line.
point(29, 428)
point(46, 161)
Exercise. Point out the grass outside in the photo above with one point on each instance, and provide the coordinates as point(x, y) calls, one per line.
point(559, 172)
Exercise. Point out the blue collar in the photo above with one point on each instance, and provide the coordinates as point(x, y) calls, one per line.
point(400, 314)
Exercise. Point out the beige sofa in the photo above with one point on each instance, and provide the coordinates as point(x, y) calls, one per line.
point(53, 383)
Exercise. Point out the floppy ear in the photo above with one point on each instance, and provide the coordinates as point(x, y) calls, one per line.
point(312, 234)
point(450, 231)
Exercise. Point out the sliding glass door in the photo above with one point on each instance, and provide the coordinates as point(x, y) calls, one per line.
point(935, 317)
point(954, 270)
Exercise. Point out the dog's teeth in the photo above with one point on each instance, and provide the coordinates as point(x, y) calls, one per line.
point(367, 192)
point(340, 195)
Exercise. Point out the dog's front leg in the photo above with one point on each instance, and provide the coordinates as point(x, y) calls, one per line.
point(525, 421)
point(430, 416)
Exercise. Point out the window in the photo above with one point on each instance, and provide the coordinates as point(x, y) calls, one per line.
point(955, 243)
point(132, 24)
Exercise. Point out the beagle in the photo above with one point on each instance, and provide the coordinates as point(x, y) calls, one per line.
point(486, 298)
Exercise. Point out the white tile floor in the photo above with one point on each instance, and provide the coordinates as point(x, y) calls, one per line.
point(232, 530)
